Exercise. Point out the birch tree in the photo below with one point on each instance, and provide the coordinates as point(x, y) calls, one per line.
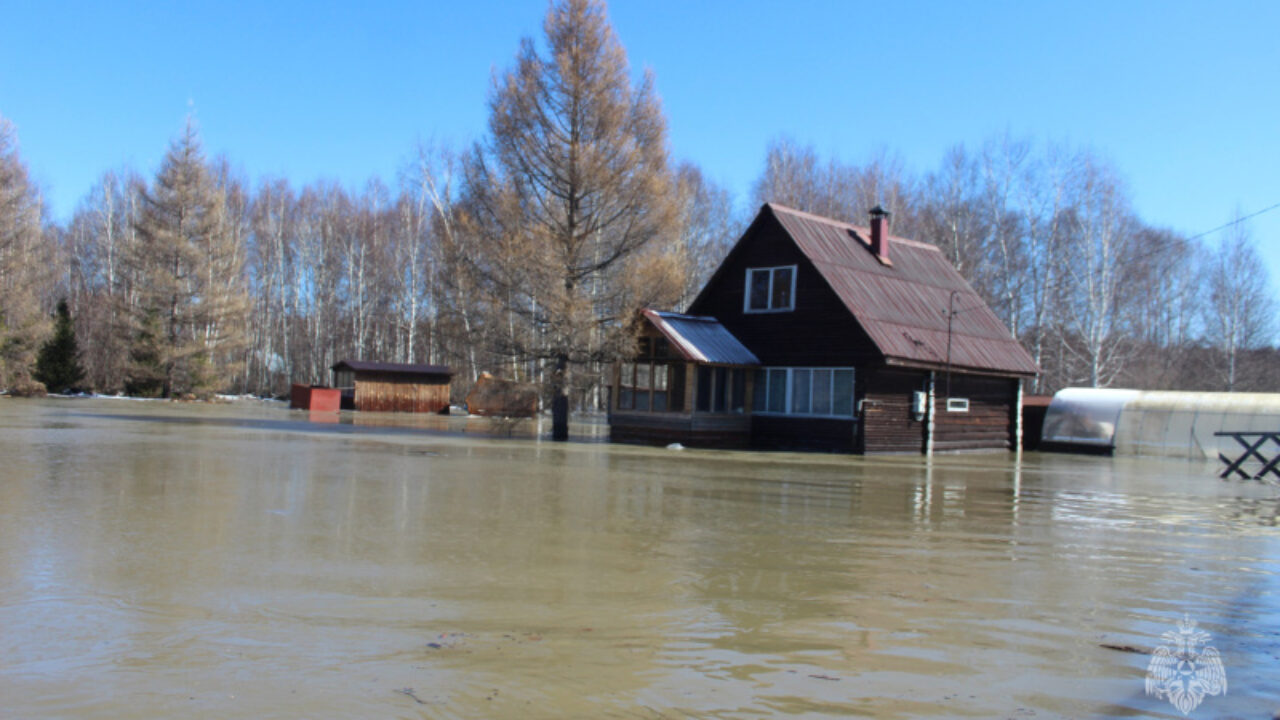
point(101, 287)
point(1240, 315)
point(706, 229)
point(1100, 228)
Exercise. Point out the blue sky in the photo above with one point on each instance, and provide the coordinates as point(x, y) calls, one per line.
point(1181, 96)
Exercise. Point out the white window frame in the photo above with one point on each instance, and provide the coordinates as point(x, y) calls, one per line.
point(958, 405)
point(788, 387)
point(746, 295)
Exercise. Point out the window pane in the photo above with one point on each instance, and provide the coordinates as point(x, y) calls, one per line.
point(661, 348)
point(722, 387)
point(821, 392)
point(704, 388)
point(677, 388)
point(642, 400)
point(737, 403)
point(659, 377)
point(626, 401)
point(781, 289)
point(760, 385)
point(759, 281)
point(777, 390)
point(800, 391)
point(659, 402)
point(642, 375)
point(628, 375)
point(842, 389)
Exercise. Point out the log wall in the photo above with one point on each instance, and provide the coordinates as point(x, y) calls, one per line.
point(888, 425)
point(690, 429)
point(988, 425)
point(777, 432)
point(391, 395)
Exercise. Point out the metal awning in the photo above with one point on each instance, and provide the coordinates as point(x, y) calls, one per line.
point(701, 339)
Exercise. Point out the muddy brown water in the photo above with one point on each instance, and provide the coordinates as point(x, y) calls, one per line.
point(240, 561)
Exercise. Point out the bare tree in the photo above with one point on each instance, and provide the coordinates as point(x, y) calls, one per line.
point(1240, 315)
point(794, 176)
point(100, 286)
point(1101, 228)
point(707, 229)
point(575, 169)
point(951, 215)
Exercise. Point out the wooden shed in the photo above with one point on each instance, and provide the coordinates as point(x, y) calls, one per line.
point(392, 387)
point(314, 397)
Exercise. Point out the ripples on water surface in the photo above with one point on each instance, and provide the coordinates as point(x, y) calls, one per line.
point(162, 560)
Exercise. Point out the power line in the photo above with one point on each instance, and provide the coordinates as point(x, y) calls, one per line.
point(1237, 221)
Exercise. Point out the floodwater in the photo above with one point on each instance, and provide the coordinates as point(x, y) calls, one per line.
point(241, 561)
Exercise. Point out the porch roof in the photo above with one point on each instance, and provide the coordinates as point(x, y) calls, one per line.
point(701, 339)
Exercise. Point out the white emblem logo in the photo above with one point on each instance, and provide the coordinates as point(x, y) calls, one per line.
point(1182, 671)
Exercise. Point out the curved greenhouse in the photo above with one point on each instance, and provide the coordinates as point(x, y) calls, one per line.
point(1156, 422)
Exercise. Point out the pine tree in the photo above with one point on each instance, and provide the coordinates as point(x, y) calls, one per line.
point(58, 365)
point(146, 374)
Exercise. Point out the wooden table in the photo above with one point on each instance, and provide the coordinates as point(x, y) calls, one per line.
point(1253, 443)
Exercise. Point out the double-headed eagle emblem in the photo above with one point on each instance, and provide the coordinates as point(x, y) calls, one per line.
point(1184, 672)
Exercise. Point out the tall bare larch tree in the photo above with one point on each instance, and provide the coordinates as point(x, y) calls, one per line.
point(189, 262)
point(575, 170)
point(25, 255)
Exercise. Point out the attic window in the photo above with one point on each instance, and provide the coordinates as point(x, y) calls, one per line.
point(770, 289)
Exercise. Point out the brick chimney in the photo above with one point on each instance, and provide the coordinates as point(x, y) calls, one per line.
point(880, 234)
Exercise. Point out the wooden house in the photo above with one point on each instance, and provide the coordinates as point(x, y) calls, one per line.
point(392, 387)
point(864, 342)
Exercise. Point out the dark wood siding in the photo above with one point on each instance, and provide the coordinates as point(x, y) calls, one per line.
point(777, 432)
point(819, 332)
point(691, 429)
point(988, 425)
point(888, 425)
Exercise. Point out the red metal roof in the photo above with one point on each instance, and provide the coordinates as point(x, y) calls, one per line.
point(701, 339)
point(386, 367)
point(903, 306)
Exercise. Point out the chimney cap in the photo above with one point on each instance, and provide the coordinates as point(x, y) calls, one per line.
point(878, 211)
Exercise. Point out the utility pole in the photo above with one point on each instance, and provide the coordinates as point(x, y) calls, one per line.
point(951, 313)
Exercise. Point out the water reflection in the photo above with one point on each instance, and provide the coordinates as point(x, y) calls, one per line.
point(158, 560)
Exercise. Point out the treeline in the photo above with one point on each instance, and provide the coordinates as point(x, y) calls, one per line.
point(196, 283)
point(527, 253)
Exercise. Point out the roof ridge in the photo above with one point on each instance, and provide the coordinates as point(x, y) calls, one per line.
point(861, 230)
